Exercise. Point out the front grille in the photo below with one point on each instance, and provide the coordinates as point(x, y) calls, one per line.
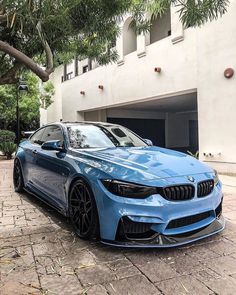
point(178, 192)
point(204, 188)
point(188, 220)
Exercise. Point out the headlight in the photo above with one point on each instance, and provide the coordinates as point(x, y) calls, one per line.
point(216, 178)
point(128, 190)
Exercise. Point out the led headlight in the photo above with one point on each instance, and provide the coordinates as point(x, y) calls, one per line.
point(128, 190)
point(216, 178)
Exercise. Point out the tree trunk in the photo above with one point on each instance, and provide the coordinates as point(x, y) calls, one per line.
point(25, 60)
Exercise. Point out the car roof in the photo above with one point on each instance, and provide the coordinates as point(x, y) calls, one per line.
point(69, 123)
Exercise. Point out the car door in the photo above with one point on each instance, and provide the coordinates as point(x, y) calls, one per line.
point(31, 147)
point(53, 170)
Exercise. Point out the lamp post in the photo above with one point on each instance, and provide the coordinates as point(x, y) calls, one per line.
point(21, 87)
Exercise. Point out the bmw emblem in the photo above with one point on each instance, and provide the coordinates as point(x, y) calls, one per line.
point(190, 178)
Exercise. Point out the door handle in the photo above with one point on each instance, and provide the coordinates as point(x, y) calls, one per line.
point(35, 152)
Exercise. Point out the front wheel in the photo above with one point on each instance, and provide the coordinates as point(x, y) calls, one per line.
point(18, 177)
point(83, 211)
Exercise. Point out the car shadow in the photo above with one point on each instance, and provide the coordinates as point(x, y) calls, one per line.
point(47, 211)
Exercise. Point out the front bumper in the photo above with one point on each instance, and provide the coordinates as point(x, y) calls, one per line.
point(164, 241)
point(170, 223)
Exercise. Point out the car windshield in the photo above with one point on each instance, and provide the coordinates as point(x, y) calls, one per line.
point(97, 136)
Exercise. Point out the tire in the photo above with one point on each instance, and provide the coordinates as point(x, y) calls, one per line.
point(18, 177)
point(83, 211)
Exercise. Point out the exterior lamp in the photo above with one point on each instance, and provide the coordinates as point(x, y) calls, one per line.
point(21, 87)
point(101, 87)
point(228, 73)
point(157, 70)
point(82, 92)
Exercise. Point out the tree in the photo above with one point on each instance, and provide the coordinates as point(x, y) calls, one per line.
point(37, 96)
point(49, 32)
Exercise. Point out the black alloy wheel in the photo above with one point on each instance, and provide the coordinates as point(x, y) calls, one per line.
point(83, 211)
point(17, 177)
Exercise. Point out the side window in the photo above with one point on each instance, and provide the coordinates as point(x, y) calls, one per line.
point(36, 138)
point(53, 133)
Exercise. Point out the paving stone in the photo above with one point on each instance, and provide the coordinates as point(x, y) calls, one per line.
point(14, 232)
point(231, 215)
point(158, 271)
point(14, 213)
point(80, 259)
point(137, 285)
point(202, 252)
point(183, 264)
point(139, 257)
point(97, 290)
point(224, 286)
point(13, 287)
point(119, 264)
point(223, 247)
point(94, 275)
point(48, 249)
point(38, 229)
point(21, 277)
point(105, 253)
point(15, 242)
point(8, 203)
point(183, 285)
point(127, 272)
point(6, 220)
point(223, 265)
point(205, 274)
point(66, 284)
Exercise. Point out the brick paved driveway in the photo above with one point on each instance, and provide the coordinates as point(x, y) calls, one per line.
point(41, 255)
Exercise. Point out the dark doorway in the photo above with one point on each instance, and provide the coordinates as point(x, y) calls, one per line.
point(153, 129)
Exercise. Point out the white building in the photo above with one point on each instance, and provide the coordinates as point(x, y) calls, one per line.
point(168, 86)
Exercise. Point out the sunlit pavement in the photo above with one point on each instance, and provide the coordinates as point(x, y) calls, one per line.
point(41, 255)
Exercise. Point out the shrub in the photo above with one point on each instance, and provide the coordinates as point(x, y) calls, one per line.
point(196, 155)
point(7, 148)
point(7, 136)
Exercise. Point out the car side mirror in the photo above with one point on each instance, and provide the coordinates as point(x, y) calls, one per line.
point(52, 145)
point(148, 142)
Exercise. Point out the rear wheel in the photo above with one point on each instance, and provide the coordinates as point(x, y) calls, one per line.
point(17, 177)
point(83, 211)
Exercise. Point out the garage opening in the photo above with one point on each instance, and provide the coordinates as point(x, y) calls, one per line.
point(170, 122)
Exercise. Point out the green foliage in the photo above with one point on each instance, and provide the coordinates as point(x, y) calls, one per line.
point(6, 136)
point(38, 95)
point(196, 155)
point(7, 148)
point(46, 93)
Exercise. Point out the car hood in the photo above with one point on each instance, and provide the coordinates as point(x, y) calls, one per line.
point(142, 163)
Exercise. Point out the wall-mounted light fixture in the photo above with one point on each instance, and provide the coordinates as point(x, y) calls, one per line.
point(82, 92)
point(228, 73)
point(101, 87)
point(211, 155)
point(157, 69)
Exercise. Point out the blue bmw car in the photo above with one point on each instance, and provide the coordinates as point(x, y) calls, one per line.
point(117, 187)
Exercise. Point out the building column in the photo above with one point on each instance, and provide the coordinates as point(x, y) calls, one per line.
point(141, 45)
point(119, 48)
point(177, 29)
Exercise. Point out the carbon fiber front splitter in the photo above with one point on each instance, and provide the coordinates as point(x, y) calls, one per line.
point(164, 241)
